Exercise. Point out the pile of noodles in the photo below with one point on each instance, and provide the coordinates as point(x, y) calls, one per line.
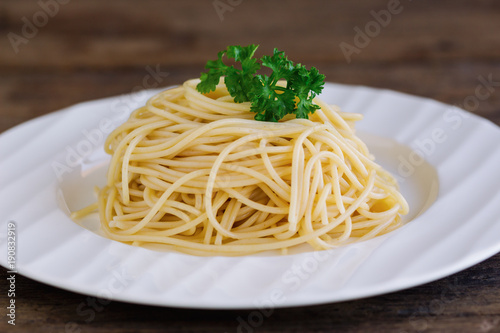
point(195, 173)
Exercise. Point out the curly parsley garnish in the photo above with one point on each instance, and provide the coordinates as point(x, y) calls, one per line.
point(270, 101)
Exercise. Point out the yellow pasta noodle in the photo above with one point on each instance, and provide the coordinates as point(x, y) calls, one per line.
point(196, 173)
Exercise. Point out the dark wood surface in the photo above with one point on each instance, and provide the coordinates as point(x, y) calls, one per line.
point(83, 50)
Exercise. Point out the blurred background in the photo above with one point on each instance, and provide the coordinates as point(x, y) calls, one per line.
point(54, 53)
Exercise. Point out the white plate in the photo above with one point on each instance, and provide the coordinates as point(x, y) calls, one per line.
point(446, 160)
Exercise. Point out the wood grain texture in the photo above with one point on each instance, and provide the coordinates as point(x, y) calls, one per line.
point(87, 49)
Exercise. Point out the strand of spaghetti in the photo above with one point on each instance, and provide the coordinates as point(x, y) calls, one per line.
point(399, 197)
point(162, 200)
point(130, 124)
point(213, 173)
point(84, 212)
point(124, 142)
point(326, 114)
point(193, 186)
point(186, 138)
point(379, 228)
point(164, 113)
point(334, 160)
point(335, 183)
point(248, 177)
point(228, 218)
point(125, 165)
point(321, 207)
point(359, 161)
point(250, 248)
point(214, 105)
point(269, 166)
point(273, 210)
point(311, 191)
point(297, 177)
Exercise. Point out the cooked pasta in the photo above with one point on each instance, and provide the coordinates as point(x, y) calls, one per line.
point(195, 173)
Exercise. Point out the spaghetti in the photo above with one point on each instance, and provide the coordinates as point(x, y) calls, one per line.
point(196, 173)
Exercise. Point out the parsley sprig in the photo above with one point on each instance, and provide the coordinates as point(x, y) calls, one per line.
point(270, 99)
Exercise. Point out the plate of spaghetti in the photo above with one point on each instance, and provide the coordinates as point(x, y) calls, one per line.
point(241, 190)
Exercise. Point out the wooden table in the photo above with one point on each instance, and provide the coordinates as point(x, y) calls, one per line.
point(54, 53)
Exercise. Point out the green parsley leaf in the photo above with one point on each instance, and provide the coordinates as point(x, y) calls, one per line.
point(210, 79)
point(281, 66)
point(238, 81)
point(270, 102)
point(270, 99)
point(306, 85)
